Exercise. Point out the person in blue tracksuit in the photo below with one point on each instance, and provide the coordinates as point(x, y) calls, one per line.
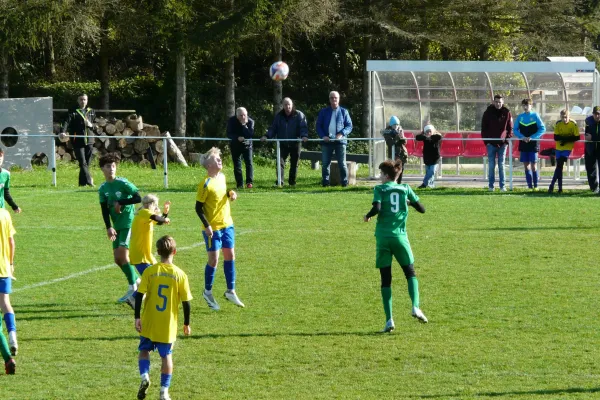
point(528, 127)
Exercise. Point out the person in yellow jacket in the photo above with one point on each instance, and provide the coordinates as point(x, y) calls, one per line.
point(566, 133)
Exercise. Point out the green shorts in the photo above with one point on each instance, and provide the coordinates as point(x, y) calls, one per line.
point(123, 237)
point(398, 246)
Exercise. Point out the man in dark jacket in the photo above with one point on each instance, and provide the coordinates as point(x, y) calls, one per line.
point(80, 124)
point(592, 150)
point(496, 129)
point(289, 123)
point(240, 129)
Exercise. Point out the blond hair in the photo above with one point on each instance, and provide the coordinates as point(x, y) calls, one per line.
point(212, 153)
point(150, 201)
point(166, 246)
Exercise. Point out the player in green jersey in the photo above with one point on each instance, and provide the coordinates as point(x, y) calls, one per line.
point(391, 201)
point(117, 199)
point(5, 187)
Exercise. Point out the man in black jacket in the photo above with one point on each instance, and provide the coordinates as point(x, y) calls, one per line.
point(240, 129)
point(80, 124)
point(289, 123)
point(592, 150)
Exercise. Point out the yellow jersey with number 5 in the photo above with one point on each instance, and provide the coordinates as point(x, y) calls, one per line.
point(165, 286)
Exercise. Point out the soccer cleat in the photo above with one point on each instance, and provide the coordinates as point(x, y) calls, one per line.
point(130, 302)
point(10, 366)
point(232, 297)
point(143, 389)
point(127, 295)
point(389, 326)
point(164, 396)
point(418, 314)
point(12, 343)
point(210, 300)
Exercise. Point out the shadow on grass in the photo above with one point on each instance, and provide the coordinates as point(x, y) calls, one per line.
point(540, 392)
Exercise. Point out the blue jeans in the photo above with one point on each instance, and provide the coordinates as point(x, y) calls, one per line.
point(327, 154)
point(429, 178)
point(494, 152)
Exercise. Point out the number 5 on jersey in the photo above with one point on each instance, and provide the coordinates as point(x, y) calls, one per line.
point(162, 296)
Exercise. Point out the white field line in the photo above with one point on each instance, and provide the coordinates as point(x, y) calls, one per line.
point(87, 271)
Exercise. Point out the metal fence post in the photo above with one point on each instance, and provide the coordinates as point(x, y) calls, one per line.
point(165, 166)
point(53, 160)
point(279, 180)
point(510, 164)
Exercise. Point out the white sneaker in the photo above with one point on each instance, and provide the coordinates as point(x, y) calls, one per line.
point(418, 314)
point(232, 297)
point(127, 295)
point(143, 388)
point(210, 300)
point(503, 189)
point(12, 343)
point(164, 395)
point(389, 326)
point(490, 189)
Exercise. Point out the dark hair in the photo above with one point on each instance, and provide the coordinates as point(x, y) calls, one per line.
point(391, 169)
point(1, 152)
point(83, 94)
point(165, 246)
point(498, 96)
point(526, 102)
point(109, 158)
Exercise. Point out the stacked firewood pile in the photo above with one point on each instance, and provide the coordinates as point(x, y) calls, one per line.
point(133, 149)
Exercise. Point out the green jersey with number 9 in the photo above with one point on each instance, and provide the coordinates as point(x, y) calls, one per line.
point(391, 220)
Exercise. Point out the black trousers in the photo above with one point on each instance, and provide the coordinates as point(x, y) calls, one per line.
point(291, 149)
point(83, 155)
point(592, 159)
point(239, 151)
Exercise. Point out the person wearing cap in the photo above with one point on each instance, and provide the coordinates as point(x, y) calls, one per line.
point(592, 152)
point(394, 138)
point(529, 127)
point(80, 123)
point(496, 129)
point(431, 139)
point(333, 126)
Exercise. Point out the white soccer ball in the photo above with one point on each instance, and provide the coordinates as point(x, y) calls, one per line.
point(279, 71)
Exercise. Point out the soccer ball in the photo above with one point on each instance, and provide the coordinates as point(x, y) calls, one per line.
point(279, 71)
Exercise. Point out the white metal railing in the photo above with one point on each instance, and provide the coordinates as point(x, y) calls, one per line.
point(277, 142)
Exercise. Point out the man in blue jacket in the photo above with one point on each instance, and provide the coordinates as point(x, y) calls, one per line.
point(592, 150)
point(333, 126)
point(289, 123)
point(240, 129)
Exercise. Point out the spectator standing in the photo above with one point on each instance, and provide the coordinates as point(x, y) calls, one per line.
point(394, 138)
point(496, 129)
point(529, 127)
point(592, 153)
point(240, 129)
point(431, 139)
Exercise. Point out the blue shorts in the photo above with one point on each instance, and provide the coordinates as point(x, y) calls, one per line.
point(164, 349)
point(141, 267)
point(528, 156)
point(562, 153)
point(5, 285)
point(223, 238)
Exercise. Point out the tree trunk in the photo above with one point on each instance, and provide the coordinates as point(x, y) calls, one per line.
point(277, 85)
point(344, 77)
point(230, 87)
point(366, 114)
point(104, 67)
point(3, 74)
point(50, 62)
point(180, 96)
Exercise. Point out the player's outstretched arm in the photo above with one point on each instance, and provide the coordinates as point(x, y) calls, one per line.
point(186, 318)
point(418, 206)
point(134, 199)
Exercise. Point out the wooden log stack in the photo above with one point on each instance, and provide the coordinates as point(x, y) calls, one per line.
point(130, 149)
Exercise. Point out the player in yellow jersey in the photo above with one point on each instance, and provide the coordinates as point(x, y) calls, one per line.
point(7, 254)
point(165, 286)
point(142, 230)
point(212, 206)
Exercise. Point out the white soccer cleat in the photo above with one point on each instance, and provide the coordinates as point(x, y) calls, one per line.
point(164, 396)
point(127, 295)
point(12, 343)
point(210, 300)
point(418, 314)
point(232, 297)
point(143, 388)
point(389, 326)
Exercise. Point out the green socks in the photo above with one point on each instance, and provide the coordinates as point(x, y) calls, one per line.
point(4, 350)
point(386, 298)
point(129, 272)
point(413, 291)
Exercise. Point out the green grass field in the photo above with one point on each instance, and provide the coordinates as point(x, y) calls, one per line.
point(509, 283)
